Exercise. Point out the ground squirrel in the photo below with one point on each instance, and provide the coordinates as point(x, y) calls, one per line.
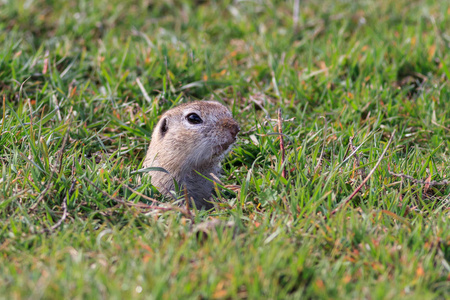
point(191, 138)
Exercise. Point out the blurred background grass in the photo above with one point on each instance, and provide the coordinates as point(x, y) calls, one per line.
point(82, 84)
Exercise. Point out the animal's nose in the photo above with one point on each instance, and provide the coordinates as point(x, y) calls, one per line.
point(230, 125)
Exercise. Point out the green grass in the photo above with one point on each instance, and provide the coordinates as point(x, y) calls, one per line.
point(82, 84)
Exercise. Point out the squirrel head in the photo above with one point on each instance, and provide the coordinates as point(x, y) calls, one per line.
point(198, 133)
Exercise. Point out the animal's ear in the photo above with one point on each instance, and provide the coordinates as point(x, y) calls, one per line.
point(164, 127)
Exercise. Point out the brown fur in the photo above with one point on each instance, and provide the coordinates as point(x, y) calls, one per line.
point(182, 149)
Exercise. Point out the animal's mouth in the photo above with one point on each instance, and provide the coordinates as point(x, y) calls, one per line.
point(229, 135)
point(219, 149)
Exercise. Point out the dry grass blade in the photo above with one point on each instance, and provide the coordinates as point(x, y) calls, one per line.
point(116, 199)
point(66, 199)
point(397, 217)
point(64, 206)
point(319, 163)
point(357, 158)
point(43, 193)
point(170, 207)
point(282, 149)
point(139, 194)
point(4, 114)
point(140, 205)
point(425, 182)
point(283, 154)
point(342, 204)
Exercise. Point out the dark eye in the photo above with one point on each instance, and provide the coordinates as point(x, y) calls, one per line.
point(164, 127)
point(194, 119)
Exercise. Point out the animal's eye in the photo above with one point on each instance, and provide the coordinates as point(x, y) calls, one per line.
point(194, 118)
point(164, 127)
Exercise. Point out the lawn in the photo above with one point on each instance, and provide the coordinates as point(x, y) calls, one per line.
point(356, 205)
